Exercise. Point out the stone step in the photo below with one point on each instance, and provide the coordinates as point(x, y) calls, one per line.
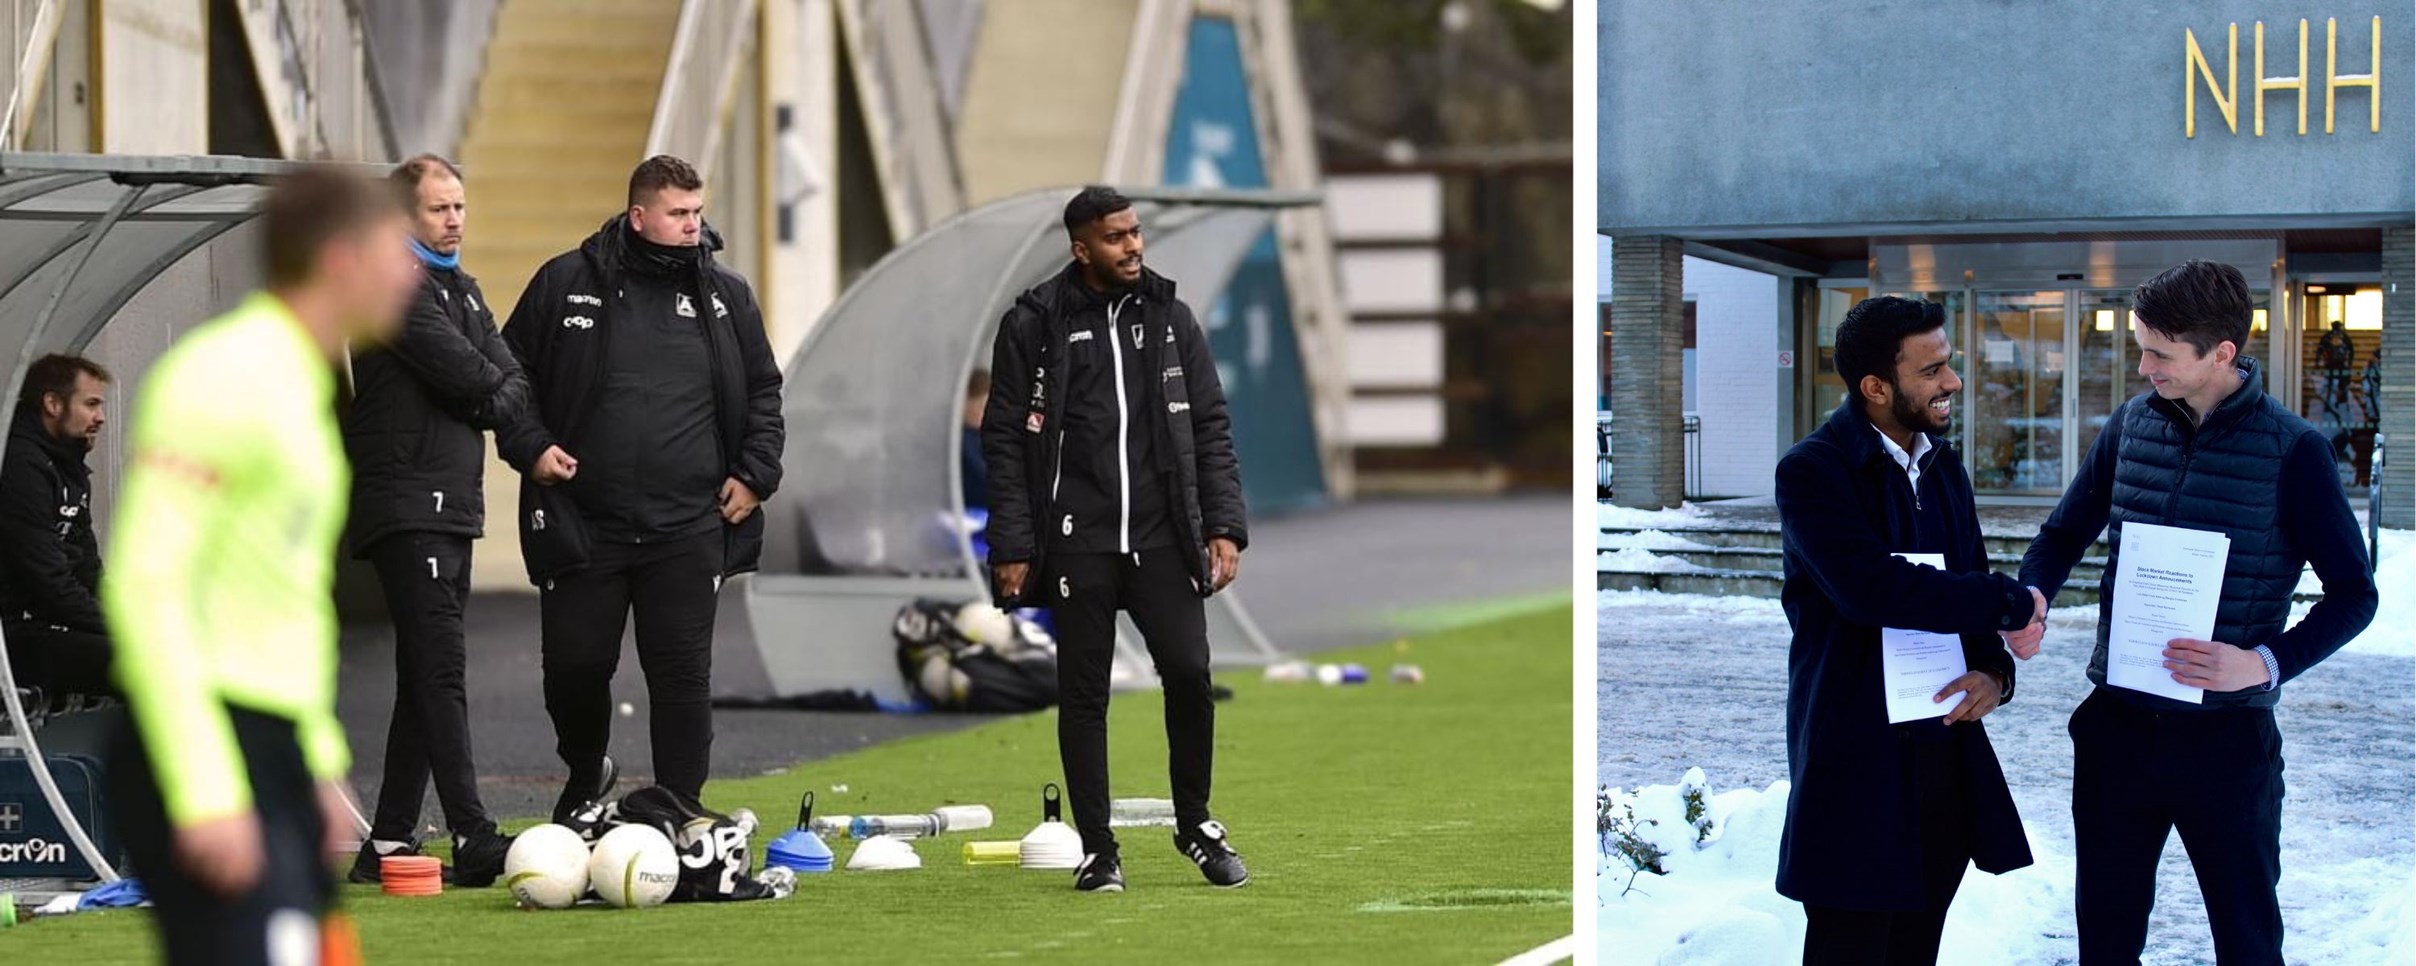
point(1764, 536)
point(1719, 582)
point(1771, 559)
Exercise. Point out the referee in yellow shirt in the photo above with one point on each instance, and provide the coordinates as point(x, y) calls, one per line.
point(227, 785)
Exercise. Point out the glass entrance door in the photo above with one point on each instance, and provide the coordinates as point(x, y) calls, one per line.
point(2106, 366)
point(2015, 390)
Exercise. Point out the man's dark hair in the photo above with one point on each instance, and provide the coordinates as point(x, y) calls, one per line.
point(2199, 302)
point(1873, 335)
point(55, 375)
point(1091, 204)
point(311, 206)
point(659, 172)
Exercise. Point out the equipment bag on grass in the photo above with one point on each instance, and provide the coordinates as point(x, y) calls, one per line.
point(975, 657)
point(712, 847)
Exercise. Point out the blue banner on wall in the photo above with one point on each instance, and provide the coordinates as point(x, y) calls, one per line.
point(1213, 143)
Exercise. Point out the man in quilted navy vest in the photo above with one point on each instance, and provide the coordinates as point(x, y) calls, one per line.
point(2206, 450)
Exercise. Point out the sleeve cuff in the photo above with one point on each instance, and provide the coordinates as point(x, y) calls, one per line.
point(2273, 668)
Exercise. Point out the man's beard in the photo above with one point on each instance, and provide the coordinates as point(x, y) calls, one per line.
point(1914, 415)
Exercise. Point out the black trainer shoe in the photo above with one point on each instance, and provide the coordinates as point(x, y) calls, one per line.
point(576, 795)
point(1204, 844)
point(365, 868)
point(478, 858)
point(1099, 872)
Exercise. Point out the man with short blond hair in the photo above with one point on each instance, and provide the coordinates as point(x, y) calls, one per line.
point(414, 433)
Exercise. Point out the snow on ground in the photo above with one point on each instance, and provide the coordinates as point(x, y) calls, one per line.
point(2393, 631)
point(1646, 540)
point(1606, 515)
point(1716, 904)
point(1635, 560)
point(1689, 681)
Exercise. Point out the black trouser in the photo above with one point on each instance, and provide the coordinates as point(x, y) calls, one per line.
point(57, 660)
point(296, 887)
point(1084, 591)
point(1941, 793)
point(670, 587)
point(426, 577)
point(2216, 776)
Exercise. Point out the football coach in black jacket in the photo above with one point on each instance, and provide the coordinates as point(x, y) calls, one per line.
point(414, 434)
point(1884, 817)
point(2205, 449)
point(657, 435)
point(1113, 486)
point(50, 562)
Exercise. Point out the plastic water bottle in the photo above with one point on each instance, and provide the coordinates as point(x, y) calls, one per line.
point(947, 818)
point(1140, 812)
point(830, 826)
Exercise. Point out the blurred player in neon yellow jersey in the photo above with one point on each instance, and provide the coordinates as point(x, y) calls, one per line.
point(228, 783)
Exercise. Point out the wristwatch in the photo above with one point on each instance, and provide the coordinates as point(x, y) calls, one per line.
point(2004, 686)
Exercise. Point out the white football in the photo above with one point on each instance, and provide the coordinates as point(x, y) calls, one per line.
point(546, 868)
point(633, 866)
point(983, 623)
point(942, 682)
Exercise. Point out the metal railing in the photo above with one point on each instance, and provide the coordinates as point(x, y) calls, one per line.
point(2374, 503)
point(1603, 462)
point(700, 80)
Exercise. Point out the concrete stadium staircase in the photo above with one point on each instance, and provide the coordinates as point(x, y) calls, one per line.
point(562, 114)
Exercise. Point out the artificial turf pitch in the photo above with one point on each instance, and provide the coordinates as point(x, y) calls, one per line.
point(1383, 822)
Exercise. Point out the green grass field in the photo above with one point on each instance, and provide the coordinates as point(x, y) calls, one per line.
point(1384, 823)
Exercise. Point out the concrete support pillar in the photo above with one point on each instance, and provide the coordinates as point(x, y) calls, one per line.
point(2398, 507)
point(1648, 434)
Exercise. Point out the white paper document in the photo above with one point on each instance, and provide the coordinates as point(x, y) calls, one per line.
point(2167, 581)
point(1915, 664)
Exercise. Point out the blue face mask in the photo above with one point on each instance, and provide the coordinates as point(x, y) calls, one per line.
point(429, 257)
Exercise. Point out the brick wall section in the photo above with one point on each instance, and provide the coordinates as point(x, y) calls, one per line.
point(2398, 507)
point(1648, 441)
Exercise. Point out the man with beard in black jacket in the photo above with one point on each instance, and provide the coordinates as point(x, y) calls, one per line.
point(50, 563)
point(656, 435)
point(414, 435)
point(1113, 486)
point(1886, 816)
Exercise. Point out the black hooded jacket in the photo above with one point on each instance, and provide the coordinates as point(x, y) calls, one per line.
point(561, 332)
point(50, 563)
point(420, 403)
point(1023, 432)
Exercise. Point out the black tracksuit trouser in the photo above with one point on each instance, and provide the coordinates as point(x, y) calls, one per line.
point(1858, 937)
point(1084, 591)
point(2215, 776)
point(671, 589)
point(281, 915)
point(57, 660)
point(426, 578)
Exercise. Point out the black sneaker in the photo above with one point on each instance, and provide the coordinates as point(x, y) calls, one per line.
point(1099, 872)
point(365, 868)
point(1204, 844)
point(478, 858)
point(576, 795)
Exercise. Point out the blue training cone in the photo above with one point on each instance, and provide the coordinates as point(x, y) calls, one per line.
point(799, 848)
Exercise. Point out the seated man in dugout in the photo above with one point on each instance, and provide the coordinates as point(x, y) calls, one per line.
point(50, 563)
